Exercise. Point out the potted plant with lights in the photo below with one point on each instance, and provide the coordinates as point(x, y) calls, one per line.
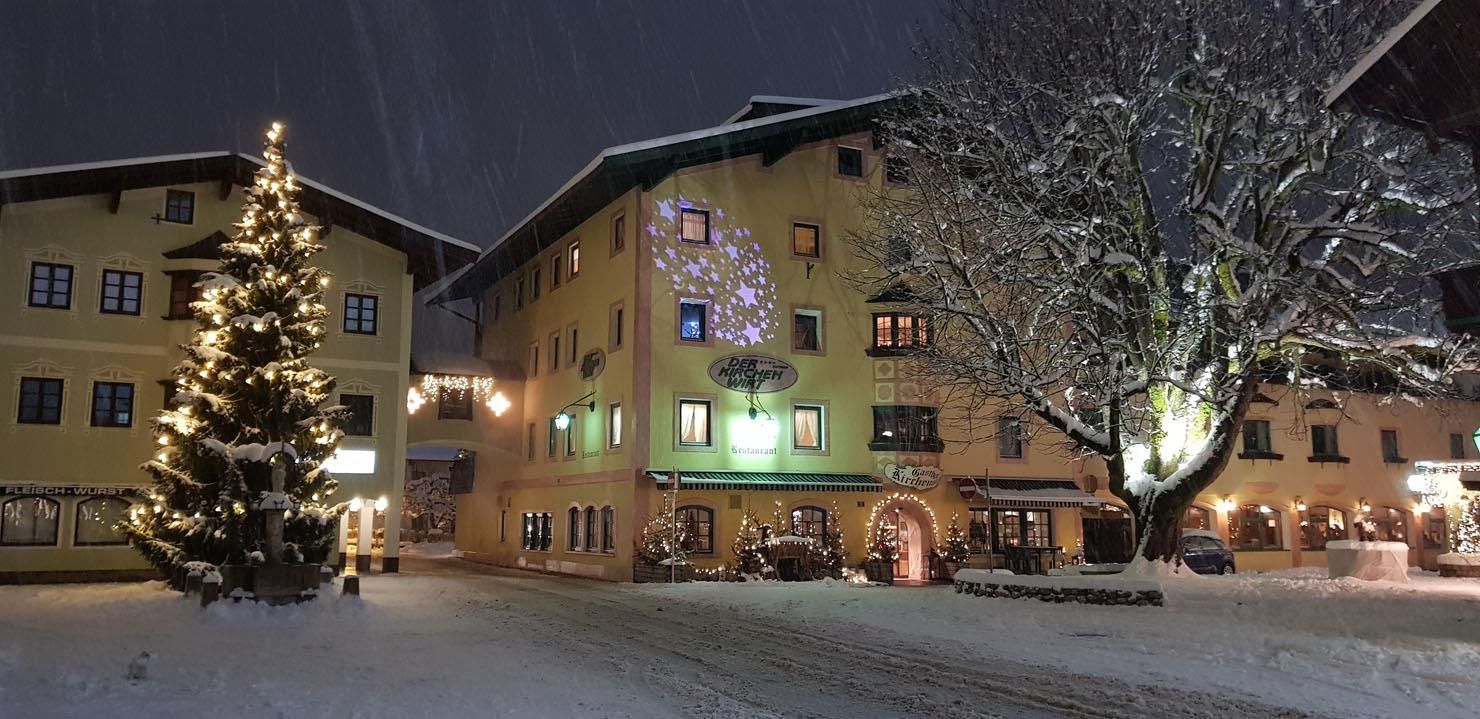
point(882, 554)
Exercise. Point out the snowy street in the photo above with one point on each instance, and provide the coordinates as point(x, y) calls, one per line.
point(448, 638)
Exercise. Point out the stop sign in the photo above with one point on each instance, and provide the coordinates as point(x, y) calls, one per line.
point(967, 487)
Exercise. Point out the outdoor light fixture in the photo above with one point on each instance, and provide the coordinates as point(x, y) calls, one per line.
point(381, 504)
point(1364, 505)
point(1226, 505)
point(355, 504)
point(1299, 504)
point(499, 404)
point(563, 418)
point(1264, 509)
point(1422, 508)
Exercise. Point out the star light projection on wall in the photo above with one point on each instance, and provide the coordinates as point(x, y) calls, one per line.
point(730, 272)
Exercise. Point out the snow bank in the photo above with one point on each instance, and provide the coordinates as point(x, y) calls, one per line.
point(1460, 559)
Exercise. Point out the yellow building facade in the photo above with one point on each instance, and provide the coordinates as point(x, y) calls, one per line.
point(98, 262)
point(685, 303)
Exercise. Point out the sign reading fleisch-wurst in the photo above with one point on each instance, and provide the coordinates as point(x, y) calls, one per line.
point(753, 373)
point(99, 490)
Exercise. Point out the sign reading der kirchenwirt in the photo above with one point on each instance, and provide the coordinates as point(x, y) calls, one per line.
point(753, 373)
point(69, 490)
point(911, 476)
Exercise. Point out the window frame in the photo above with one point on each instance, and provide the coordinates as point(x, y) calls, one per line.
point(709, 440)
point(50, 291)
point(182, 293)
point(534, 283)
point(920, 333)
point(822, 422)
point(454, 410)
point(816, 228)
point(589, 527)
point(1016, 436)
point(691, 517)
point(556, 264)
point(77, 522)
point(1021, 524)
point(707, 306)
point(42, 384)
point(818, 316)
point(573, 529)
point(814, 528)
point(56, 531)
point(519, 292)
point(351, 429)
point(573, 260)
point(1263, 445)
point(608, 529)
point(618, 232)
point(686, 212)
point(614, 425)
point(536, 531)
point(1206, 514)
point(1308, 526)
point(1240, 520)
point(838, 162)
point(615, 332)
point(553, 351)
point(121, 286)
point(905, 436)
point(113, 388)
point(359, 321)
point(179, 207)
point(1456, 445)
point(1316, 453)
point(1396, 457)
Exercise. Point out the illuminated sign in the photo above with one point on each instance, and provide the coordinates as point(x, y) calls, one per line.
point(753, 373)
point(911, 476)
point(351, 461)
point(754, 436)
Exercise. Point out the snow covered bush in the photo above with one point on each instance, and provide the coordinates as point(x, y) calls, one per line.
point(1121, 218)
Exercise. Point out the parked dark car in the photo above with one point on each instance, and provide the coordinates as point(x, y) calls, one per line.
point(1205, 553)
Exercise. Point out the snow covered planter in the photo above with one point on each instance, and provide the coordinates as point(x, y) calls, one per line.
point(644, 573)
point(1372, 561)
point(1460, 564)
point(1060, 590)
point(271, 583)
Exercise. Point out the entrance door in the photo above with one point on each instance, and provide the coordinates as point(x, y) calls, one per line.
point(906, 533)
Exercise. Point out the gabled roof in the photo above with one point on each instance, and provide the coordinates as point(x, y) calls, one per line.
point(618, 169)
point(767, 105)
point(1425, 72)
point(430, 254)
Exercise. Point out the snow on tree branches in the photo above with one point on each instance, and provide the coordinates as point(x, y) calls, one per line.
point(1122, 221)
point(246, 401)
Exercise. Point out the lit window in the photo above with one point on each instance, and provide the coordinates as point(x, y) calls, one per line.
point(806, 331)
point(113, 404)
point(29, 521)
point(809, 522)
point(121, 292)
point(1250, 527)
point(806, 427)
point(40, 401)
point(694, 226)
point(693, 422)
point(96, 519)
point(537, 531)
point(893, 330)
point(1322, 525)
point(1384, 524)
point(179, 206)
point(361, 314)
point(806, 240)
point(850, 162)
point(574, 254)
point(51, 285)
point(698, 528)
point(1196, 518)
point(693, 320)
point(614, 425)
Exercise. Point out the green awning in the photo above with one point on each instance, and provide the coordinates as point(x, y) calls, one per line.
point(778, 481)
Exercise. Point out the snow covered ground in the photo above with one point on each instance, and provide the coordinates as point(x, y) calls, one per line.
point(451, 641)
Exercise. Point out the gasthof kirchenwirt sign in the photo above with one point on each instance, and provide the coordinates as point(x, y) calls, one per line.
point(753, 373)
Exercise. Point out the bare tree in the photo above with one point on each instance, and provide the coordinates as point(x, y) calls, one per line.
point(1122, 217)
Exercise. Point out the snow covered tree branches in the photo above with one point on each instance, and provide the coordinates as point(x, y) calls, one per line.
point(1123, 217)
point(239, 464)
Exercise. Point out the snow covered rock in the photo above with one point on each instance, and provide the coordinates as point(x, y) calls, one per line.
point(1371, 561)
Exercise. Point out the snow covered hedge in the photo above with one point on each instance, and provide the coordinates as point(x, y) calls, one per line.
point(1060, 590)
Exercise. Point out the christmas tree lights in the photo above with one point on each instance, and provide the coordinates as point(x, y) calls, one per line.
point(956, 547)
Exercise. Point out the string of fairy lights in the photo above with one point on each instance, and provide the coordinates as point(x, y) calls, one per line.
point(459, 387)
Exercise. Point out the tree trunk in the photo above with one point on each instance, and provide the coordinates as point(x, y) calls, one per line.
point(1160, 531)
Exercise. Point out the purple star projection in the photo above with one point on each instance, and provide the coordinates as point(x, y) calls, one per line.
point(731, 268)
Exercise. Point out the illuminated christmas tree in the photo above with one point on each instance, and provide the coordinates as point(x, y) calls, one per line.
point(238, 476)
point(663, 538)
point(749, 547)
point(956, 547)
point(1467, 530)
point(886, 544)
point(829, 555)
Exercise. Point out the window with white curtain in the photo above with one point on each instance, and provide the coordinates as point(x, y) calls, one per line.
point(806, 427)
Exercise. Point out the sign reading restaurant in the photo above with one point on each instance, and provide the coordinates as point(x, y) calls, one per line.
point(752, 373)
point(69, 490)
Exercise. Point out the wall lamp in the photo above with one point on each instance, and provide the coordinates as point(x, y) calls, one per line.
point(563, 418)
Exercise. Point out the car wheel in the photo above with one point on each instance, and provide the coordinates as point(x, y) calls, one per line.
point(1226, 569)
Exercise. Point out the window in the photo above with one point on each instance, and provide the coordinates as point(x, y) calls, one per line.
point(693, 320)
point(614, 328)
point(570, 437)
point(359, 313)
point(534, 284)
point(806, 427)
point(182, 292)
point(694, 226)
point(693, 422)
point(806, 330)
point(519, 293)
point(452, 404)
point(1253, 526)
point(29, 521)
point(590, 530)
point(1256, 438)
point(113, 404)
point(1390, 453)
point(121, 292)
point(1022, 527)
point(573, 528)
point(361, 408)
point(537, 532)
point(1323, 441)
point(893, 330)
point(897, 171)
point(573, 253)
point(806, 240)
point(809, 522)
point(907, 428)
point(179, 206)
point(550, 437)
point(51, 285)
point(575, 346)
point(1196, 518)
point(1456, 446)
point(978, 528)
point(498, 305)
point(534, 359)
point(41, 401)
point(1009, 438)
point(614, 425)
point(554, 351)
point(529, 443)
point(1321, 525)
point(1434, 529)
point(96, 518)
point(698, 527)
point(850, 162)
point(619, 233)
point(608, 530)
point(555, 264)
point(1384, 524)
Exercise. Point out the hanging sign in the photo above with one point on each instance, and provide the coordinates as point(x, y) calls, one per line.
point(967, 487)
point(753, 373)
point(912, 476)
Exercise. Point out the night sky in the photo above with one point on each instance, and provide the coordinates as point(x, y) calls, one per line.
point(461, 116)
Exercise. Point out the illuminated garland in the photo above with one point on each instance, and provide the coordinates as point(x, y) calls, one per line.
point(873, 517)
point(460, 386)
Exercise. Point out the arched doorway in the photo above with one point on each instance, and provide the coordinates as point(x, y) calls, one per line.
point(914, 529)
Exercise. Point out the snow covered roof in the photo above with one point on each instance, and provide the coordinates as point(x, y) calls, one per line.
point(767, 105)
point(1026, 492)
point(466, 365)
point(430, 254)
point(618, 169)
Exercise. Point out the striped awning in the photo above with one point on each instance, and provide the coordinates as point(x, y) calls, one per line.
point(1018, 492)
point(776, 481)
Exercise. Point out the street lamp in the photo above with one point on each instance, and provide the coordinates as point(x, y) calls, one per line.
point(563, 418)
